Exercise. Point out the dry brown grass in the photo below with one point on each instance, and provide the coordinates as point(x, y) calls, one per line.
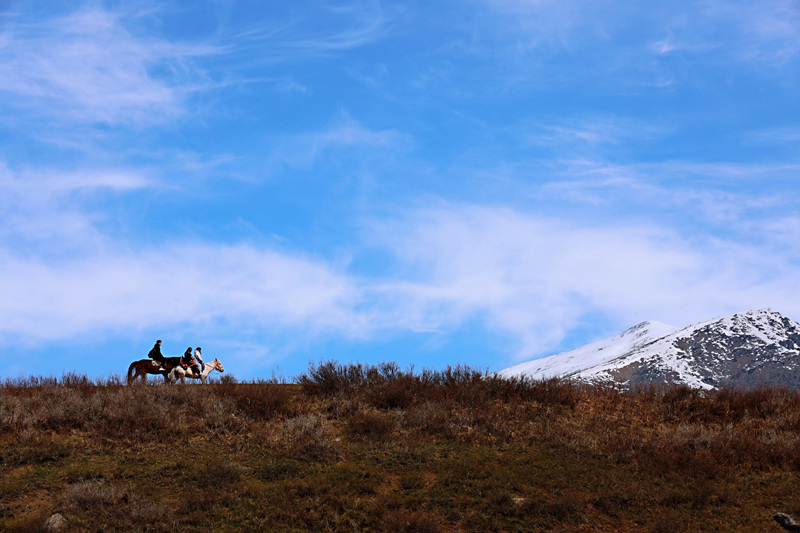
point(355, 447)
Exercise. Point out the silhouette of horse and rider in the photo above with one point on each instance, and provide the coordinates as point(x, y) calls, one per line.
point(173, 368)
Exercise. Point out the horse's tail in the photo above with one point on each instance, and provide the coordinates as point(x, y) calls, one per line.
point(130, 371)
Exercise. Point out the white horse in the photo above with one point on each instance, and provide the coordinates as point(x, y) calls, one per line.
point(180, 373)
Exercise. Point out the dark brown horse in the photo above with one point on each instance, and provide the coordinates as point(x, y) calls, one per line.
point(142, 367)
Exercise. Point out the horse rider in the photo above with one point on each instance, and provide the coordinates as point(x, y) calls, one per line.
point(155, 354)
point(186, 359)
point(198, 361)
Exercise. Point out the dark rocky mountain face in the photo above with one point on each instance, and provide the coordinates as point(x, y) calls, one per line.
point(747, 350)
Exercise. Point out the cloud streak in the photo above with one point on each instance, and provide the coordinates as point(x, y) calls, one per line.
point(536, 278)
point(527, 278)
point(87, 66)
point(186, 283)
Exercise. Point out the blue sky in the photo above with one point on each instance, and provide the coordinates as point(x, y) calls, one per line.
point(432, 183)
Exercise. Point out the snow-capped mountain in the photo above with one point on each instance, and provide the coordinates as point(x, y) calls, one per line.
point(759, 347)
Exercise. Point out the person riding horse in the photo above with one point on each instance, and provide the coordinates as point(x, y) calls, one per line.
point(188, 362)
point(156, 355)
point(198, 364)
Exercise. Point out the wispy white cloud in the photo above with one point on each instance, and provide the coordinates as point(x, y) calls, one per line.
point(63, 274)
point(716, 196)
point(568, 134)
point(344, 135)
point(771, 30)
point(89, 67)
point(625, 46)
point(175, 284)
point(522, 276)
point(535, 278)
point(319, 30)
point(46, 209)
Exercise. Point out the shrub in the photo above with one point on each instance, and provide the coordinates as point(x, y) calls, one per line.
point(309, 437)
point(138, 413)
point(399, 393)
point(228, 379)
point(439, 420)
point(370, 425)
point(106, 503)
point(331, 378)
point(258, 401)
point(35, 449)
point(219, 414)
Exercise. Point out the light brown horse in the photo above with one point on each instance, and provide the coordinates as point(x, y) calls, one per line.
point(179, 373)
point(142, 367)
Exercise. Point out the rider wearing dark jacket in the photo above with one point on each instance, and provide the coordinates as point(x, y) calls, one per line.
point(155, 353)
point(187, 357)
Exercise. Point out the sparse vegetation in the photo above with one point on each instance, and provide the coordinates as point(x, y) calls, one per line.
point(378, 448)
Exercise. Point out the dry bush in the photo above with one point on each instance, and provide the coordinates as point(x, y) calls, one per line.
point(114, 507)
point(258, 401)
point(34, 448)
point(440, 420)
point(28, 383)
point(310, 437)
point(57, 409)
point(77, 381)
point(714, 451)
point(138, 413)
point(228, 379)
point(330, 378)
point(219, 415)
point(386, 386)
point(112, 381)
point(554, 391)
point(428, 419)
point(499, 421)
point(399, 393)
point(370, 425)
point(341, 408)
point(12, 414)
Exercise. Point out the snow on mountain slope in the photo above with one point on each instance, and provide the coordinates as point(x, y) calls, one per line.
point(759, 347)
point(591, 355)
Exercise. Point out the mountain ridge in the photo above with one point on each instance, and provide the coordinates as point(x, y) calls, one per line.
point(749, 349)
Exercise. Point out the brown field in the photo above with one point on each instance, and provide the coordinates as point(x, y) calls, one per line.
point(363, 448)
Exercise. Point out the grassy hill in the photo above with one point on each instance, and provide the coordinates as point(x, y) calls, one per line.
point(363, 448)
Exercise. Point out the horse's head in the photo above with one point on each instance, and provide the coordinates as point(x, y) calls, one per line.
point(218, 365)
